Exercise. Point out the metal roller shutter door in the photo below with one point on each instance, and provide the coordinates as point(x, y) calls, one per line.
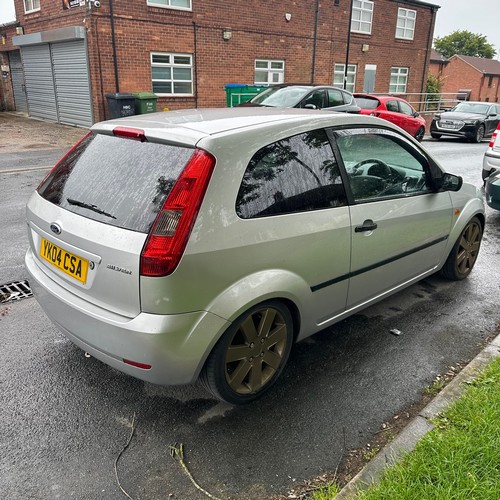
point(16, 71)
point(69, 61)
point(39, 82)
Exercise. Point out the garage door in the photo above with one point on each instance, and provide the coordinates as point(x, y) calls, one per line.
point(39, 82)
point(16, 71)
point(57, 82)
point(69, 61)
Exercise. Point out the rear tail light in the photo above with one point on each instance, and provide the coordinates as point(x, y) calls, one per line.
point(171, 230)
point(493, 138)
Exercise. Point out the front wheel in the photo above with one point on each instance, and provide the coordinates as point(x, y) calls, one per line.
point(464, 253)
point(420, 134)
point(251, 354)
point(478, 137)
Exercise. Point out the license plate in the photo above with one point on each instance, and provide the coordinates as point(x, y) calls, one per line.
point(68, 263)
point(449, 125)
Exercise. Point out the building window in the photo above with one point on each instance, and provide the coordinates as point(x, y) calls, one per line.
point(269, 72)
point(405, 27)
point(31, 5)
point(171, 4)
point(490, 81)
point(362, 13)
point(338, 76)
point(172, 74)
point(399, 79)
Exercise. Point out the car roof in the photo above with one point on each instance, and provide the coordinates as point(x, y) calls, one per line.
point(191, 125)
point(380, 97)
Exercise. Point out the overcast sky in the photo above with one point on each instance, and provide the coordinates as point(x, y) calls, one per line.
point(478, 16)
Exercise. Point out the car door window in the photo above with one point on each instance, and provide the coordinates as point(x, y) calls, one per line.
point(381, 164)
point(406, 109)
point(296, 174)
point(392, 106)
point(335, 98)
point(316, 98)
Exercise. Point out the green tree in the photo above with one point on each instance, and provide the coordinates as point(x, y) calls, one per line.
point(433, 91)
point(465, 43)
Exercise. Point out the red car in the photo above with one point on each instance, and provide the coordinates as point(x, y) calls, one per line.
point(393, 109)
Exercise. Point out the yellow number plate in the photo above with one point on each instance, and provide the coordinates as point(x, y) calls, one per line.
point(72, 265)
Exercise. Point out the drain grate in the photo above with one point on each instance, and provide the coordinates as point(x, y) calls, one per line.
point(16, 290)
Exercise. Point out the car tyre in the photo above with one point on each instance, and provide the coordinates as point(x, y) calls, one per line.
point(420, 134)
point(435, 136)
point(250, 356)
point(478, 137)
point(464, 253)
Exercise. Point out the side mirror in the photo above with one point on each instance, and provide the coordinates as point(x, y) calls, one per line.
point(492, 115)
point(450, 182)
point(310, 106)
point(416, 114)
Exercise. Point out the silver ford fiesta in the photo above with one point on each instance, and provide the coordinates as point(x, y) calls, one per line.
point(201, 244)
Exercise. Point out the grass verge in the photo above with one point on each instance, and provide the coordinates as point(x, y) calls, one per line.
point(460, 457)
point(458, 460)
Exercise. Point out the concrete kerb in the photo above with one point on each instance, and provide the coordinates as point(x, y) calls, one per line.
point(420, 425)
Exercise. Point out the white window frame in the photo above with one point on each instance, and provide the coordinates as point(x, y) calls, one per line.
point(280, 72)
point(31, 6)
point(400, 74)
point(407, 20)
point(172, 65)
point(338, 76)
point(167, 4)
point(361, 10)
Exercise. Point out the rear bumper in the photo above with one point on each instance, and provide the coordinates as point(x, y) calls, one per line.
point(491, 162)
point(175, 346)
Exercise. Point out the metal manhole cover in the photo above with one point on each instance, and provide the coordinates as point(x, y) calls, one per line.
point(16, 290)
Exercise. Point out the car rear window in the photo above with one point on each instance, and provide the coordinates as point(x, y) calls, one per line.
point(367, 102)
point(121, 182)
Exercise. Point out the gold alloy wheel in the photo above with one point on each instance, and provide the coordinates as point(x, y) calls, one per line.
point(469, 247)
point(256, 351)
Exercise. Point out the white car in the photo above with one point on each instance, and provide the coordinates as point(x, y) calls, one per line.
point(202, 244)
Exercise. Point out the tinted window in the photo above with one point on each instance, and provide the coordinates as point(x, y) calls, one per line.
point(297, 174)
point(381, 164)
point(121, 182)
point(316, 98)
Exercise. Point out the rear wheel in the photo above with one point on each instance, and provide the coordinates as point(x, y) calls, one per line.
point(435, 136)
point(420, 134)
point(251, 354)
point(465, 251)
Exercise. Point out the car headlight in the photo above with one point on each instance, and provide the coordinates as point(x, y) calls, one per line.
point(470, 122)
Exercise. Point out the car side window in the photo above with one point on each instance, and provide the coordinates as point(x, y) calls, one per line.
point(381, 164)
point(392, 106)
point(335, 98)
point(406, 109)
point(297, 174)
point(316, 98)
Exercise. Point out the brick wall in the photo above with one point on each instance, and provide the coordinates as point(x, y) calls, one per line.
point(259, 30)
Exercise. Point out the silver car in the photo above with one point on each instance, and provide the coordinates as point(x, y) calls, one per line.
point(201, 244)
point(491, 159)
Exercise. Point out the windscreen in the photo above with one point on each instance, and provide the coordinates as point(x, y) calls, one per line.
point(367, 102)
point(121, 182)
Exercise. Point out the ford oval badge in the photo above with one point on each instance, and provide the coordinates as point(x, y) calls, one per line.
point(55, 228)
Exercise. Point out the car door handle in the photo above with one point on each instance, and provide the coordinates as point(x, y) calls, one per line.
point(368, 225)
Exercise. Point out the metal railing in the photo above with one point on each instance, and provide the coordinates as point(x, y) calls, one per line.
point(431, 103)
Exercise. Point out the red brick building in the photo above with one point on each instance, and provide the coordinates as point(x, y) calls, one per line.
point(475, 78)
point(74, 52)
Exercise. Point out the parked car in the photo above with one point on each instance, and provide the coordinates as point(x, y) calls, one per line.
point(305, 96)
point(491, 160)
point(394, 110)
point(201, 244)
point(472, 120)
point(492, 190)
